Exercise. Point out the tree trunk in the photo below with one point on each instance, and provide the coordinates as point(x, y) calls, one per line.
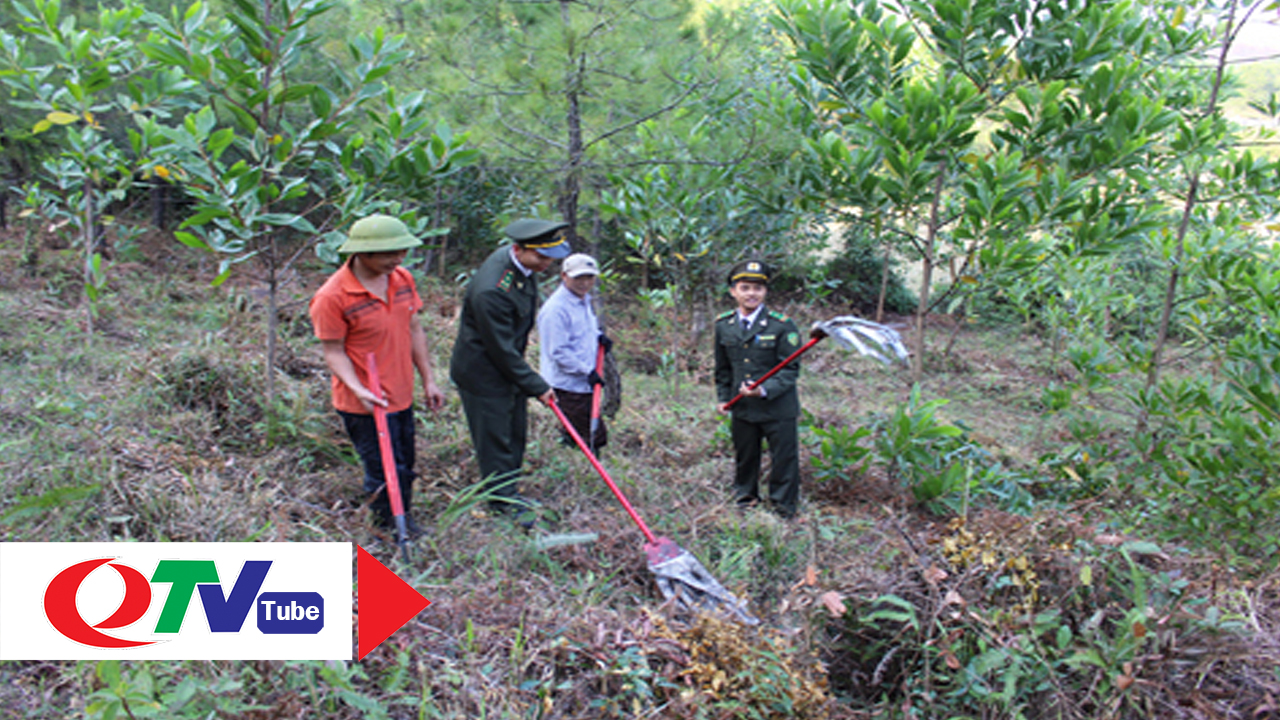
point(1188, 207)
point(884, 283)
point(571, 189)
point(437, 222)
point(917, 364)
point(90, 243)
point(273, 321)
point(159, 202)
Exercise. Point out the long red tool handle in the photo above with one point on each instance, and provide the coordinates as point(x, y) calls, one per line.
point(596, 392)
point(568, 426)
point(816, 336)
point(388, 458)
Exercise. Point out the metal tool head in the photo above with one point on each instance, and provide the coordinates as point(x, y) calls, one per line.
point(867, 338)
point(681, 577)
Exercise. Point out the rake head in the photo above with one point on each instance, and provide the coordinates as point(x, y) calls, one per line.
point(681, 577)
point(868, 338)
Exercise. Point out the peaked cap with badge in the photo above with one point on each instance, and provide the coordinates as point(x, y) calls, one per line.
point(751, 271)
point(545, 236)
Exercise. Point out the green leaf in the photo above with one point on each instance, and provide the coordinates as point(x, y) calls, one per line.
point(57, 117)
point(296, 92)
point(1141, 547)
point(321, 101)
point(219, 141)
point(190, 240)
point(109, 672)
point(194, 17)
point(297, 222)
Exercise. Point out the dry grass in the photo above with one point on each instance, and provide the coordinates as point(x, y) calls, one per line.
point(157, 432)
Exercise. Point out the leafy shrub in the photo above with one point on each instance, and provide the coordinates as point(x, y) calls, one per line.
point(840, 453)
point(202, 690)
point(1021, 622)
point(1214, 458)
point(932, 458)
point(852, 277)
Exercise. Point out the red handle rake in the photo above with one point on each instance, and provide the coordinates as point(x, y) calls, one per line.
point(388, 460)
point(679, 574)
point(815, 335)
point(852, 333)
point(596, 393)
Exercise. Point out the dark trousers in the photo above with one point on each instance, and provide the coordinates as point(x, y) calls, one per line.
point(784, 452)
point(499, 427)
point(577, 409)
point(363, 432)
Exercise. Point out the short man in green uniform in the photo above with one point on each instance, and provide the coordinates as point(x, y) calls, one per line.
point(488, 366)
point(751, 341)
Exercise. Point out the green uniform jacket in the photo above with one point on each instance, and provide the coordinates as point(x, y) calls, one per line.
point(498, 312)
point(744, 355)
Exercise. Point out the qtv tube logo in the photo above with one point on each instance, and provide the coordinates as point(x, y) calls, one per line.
point(175, 601)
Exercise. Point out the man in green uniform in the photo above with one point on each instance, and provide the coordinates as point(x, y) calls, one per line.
point(488, 366)
point(751, 341)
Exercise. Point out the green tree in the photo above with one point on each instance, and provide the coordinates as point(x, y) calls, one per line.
point(276, 163)
point(980, 135)
point(557, 91)
point(85, 83)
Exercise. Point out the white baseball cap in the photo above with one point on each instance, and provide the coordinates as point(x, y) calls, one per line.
point(580, 264)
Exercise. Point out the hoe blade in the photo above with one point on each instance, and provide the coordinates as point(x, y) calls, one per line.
point(682, 577)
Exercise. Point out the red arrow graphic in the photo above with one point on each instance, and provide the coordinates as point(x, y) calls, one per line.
point(386, 602)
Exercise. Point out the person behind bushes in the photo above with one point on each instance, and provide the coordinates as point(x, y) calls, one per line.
point(370, 305)
point(750, 341)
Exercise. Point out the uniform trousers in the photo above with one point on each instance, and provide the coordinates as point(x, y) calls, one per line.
point(499, 427)
point(784, 455)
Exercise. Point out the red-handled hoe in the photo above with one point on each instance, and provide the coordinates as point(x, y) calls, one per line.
point(679, 574)
point(388, 460)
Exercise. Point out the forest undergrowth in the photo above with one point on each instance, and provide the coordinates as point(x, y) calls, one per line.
point(1007, 602)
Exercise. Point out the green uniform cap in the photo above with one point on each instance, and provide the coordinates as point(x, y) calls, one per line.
point(541, 235)
point(751, 271)
point(378, 233)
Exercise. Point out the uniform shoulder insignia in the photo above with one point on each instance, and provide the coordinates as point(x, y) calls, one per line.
point(726, 315)
point(779, 316)
point(504, 283)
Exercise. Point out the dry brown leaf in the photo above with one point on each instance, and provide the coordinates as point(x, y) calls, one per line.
point(954, 598)
point(834, 603)
point(811, 576)
point(934, 575)
point(950, 658)
point(1109, 539)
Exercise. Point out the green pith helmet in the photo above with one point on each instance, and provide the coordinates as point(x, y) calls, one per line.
point(378, 233)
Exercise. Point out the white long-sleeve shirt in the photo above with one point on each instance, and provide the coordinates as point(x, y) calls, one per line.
point(569, 335)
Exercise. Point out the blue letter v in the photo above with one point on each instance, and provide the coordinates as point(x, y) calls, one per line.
point(227, 615)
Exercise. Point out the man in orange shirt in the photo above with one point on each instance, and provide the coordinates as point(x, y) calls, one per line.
point(370, 305)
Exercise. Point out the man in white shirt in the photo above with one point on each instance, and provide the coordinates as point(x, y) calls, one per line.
point(570, 341)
